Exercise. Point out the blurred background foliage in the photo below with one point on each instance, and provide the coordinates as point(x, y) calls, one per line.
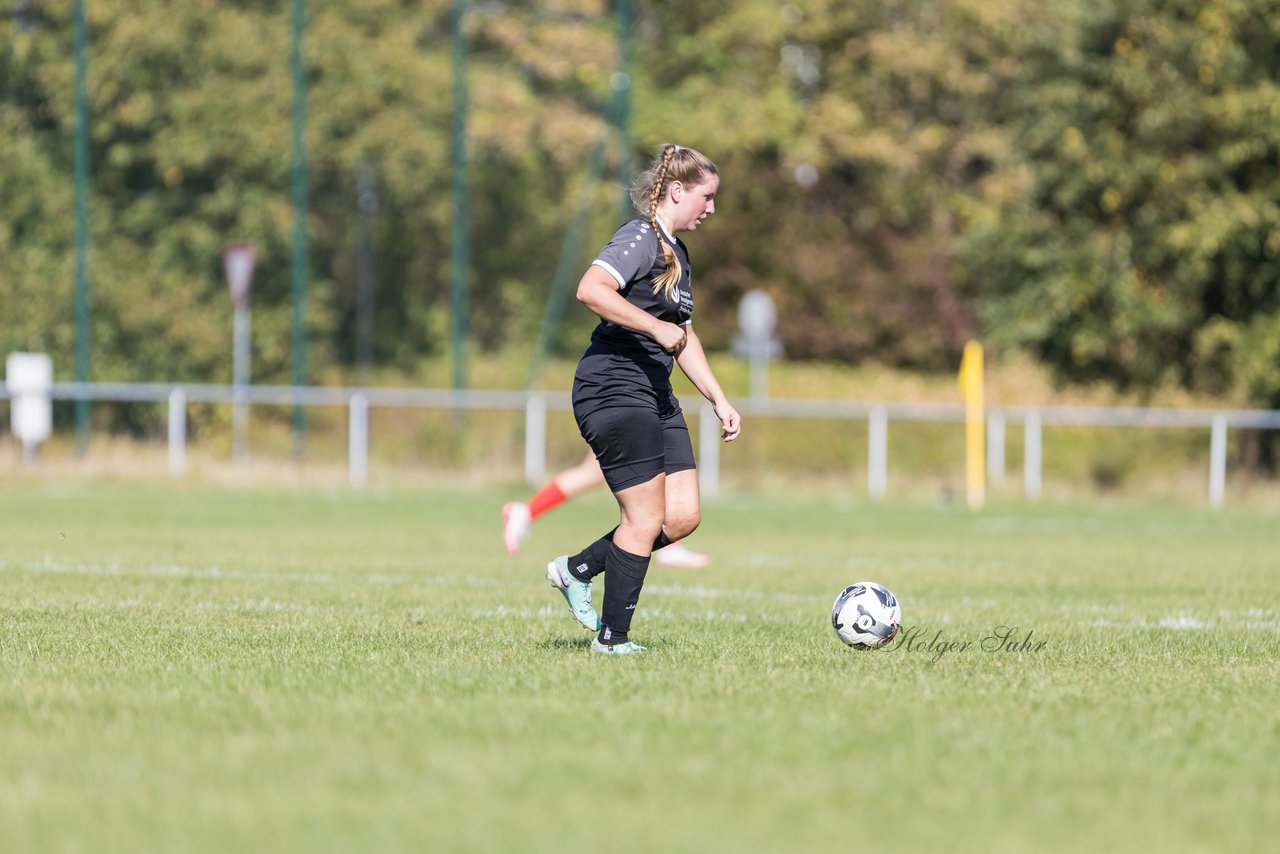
point(1092, 182)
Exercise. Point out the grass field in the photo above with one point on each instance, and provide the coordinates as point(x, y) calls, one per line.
point(217, 669)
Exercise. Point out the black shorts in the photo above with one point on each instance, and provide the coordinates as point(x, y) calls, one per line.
point(634, 439)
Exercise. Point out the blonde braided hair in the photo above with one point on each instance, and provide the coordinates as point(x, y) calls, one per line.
point(674, 163)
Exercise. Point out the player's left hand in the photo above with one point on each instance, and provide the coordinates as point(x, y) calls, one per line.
point(730, 421)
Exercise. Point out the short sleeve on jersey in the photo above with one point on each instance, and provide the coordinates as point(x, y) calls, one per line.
point(630, 255)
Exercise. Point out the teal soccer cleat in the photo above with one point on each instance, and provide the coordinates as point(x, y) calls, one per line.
point(576, 593)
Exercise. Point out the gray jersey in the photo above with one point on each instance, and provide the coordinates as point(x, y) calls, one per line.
point(633, 259)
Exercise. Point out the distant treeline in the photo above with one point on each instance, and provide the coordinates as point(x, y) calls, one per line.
point(1094, 181)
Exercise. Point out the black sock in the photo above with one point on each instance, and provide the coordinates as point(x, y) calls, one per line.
point(589, 562)
point(623, 577)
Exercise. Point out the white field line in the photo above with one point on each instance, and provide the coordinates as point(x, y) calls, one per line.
point(216, 573)
point(1088, 615)
point(1115, 616)
point(48, 566)
point(559, 614)
point(1188, 622)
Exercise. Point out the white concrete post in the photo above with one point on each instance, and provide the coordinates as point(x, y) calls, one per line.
point(1031, 462)
point(995, 445)
point(29, 377)
point(177, 432)
point(708, 451)
point(878, 452)
point(535, 439)
point(1218, 460)
point(358, 440)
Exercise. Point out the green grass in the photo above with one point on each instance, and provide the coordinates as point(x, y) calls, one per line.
point(195, 669)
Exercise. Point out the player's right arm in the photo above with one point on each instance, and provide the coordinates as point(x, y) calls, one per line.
point(599, 292)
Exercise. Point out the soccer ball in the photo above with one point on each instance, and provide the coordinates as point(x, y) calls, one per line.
point(866, 615)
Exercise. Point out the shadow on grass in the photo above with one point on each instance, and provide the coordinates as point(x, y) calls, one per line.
point(566, 643)
point(562, 644)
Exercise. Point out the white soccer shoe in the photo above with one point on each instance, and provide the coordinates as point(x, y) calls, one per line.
point(624, 648)
point(680, 555)
point(516, 523)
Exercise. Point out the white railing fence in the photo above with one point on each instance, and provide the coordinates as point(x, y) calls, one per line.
point(536, 405)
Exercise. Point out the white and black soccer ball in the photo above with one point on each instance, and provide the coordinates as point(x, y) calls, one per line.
point(866, 615)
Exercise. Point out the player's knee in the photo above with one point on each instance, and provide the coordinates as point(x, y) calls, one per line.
point(646, 526)
point(680, 525)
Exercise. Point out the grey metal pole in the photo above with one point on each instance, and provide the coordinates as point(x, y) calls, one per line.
point(759, 368)
point(240, 380)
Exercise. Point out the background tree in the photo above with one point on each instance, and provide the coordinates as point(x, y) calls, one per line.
point(1146, 251)
point(1093, 183)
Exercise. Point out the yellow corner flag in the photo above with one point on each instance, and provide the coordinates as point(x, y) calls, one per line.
point(971, 385)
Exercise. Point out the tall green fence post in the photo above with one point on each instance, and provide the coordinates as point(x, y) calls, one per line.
point(622, 103)
point(367, 208)
point(82, 224)
point(300, 243)
point(461, 200)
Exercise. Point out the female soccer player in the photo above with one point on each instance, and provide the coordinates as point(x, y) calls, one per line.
point(640, 287)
